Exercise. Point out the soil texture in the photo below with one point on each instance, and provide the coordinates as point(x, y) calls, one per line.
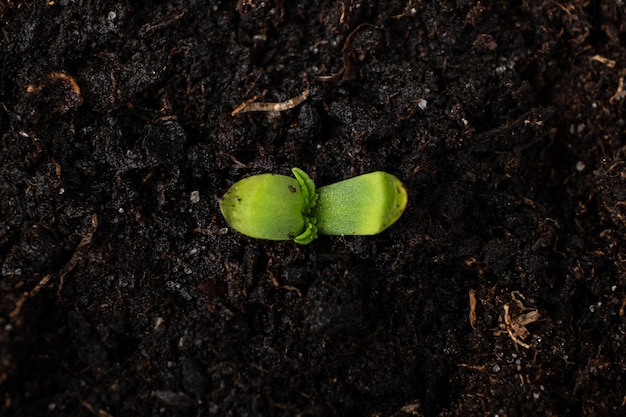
point(501, 291)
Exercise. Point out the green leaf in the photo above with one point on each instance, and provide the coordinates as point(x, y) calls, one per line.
point(266, 206)
point(363, 205)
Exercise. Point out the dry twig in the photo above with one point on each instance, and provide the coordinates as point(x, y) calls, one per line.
point(251, 105)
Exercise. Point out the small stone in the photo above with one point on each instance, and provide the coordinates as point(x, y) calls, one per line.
point(194, 197)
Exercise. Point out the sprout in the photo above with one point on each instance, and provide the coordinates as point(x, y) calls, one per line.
point(277, 207)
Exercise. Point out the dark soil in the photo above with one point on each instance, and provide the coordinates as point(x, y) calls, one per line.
point(501, 291)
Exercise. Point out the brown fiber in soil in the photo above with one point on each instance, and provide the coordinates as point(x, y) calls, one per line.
point(501, 290)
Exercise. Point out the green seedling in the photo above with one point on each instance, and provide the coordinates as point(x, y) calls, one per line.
point(278, 207)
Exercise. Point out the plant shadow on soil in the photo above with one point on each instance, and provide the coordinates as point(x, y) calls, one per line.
point(499, 292)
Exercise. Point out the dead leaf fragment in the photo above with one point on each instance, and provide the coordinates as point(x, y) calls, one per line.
point(515, 322)
point(472, 312)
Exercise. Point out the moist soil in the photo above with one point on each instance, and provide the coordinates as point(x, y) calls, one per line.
point(501, 291)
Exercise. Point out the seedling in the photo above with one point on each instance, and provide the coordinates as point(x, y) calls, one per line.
point(278, 207)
